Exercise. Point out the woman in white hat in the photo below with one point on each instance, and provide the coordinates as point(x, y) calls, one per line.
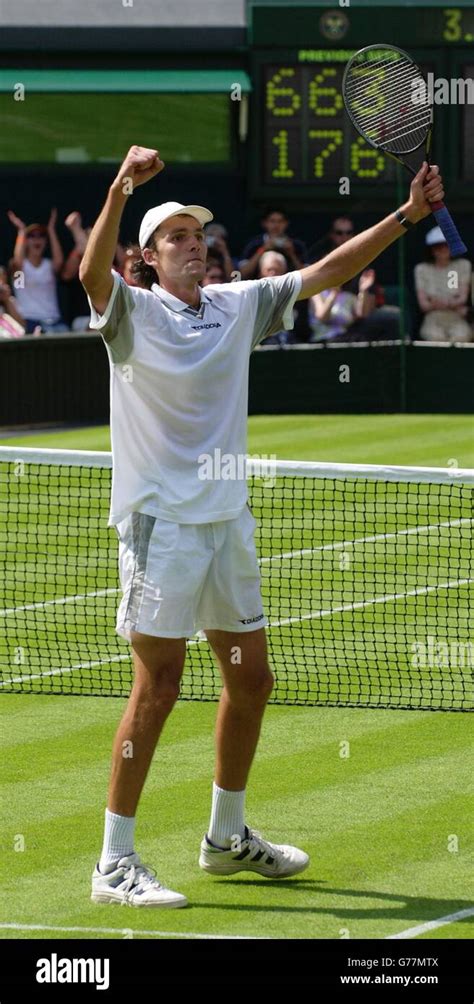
point(442, 287)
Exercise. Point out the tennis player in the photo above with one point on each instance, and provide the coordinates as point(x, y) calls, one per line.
point(179, 360)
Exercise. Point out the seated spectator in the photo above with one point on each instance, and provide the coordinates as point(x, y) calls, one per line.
point(217, 240)
point(336, 313)
point(12, 324)
point(78, 303)
point(36, 293)
point(444, 303)
point(274, 238)
point(214, 273)
point(375, 320)
point(274, 263)
point(340, 231)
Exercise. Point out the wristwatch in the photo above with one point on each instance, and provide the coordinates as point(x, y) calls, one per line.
point(403, 220)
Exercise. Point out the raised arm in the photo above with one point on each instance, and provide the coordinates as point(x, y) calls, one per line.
point(57, 255)
point(139, 166)
point(20, 243)
point(354, 256)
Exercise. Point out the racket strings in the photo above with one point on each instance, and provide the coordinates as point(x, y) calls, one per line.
point(384, 110)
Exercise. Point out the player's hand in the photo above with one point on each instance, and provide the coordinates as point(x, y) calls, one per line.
point(140, 165)
point(425, 188)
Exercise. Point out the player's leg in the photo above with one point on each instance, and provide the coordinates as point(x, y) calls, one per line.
point(158, 666)
point(119, 876)
point(160, 572)
point(231, 608)
point(248, 682)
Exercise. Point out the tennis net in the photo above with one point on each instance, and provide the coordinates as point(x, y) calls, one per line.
point(366, 573)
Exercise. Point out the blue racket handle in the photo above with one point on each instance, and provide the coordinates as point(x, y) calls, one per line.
point(448, 226)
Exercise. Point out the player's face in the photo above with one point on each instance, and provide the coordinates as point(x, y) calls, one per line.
point(181, 249)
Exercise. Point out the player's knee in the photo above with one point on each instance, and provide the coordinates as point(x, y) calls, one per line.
point(159, 688)
point(255, 688)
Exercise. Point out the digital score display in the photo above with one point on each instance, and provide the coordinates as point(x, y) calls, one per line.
point(458, 25)
point(307, 135)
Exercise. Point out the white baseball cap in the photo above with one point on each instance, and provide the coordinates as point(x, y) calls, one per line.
point(155, 216)
point(435, 236)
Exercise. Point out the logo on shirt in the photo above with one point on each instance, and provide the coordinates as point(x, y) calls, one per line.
point(214, 324)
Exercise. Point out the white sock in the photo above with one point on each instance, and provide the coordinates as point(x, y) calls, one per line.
point(118, 839)
point(227, 816)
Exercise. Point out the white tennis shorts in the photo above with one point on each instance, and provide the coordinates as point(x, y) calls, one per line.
point(180, 578)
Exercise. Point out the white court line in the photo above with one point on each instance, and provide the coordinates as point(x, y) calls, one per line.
point(337, 546)
point(342, 544)
point(431, 925)
point(314, 615)
point(60, 601)
point(393, 597)
point(136, 934)
point(65, 669)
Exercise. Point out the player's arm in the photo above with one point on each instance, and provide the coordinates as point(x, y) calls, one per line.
point(139, 166)
point(354, 256)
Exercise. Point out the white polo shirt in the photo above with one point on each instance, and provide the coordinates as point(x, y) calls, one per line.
point(179, 393)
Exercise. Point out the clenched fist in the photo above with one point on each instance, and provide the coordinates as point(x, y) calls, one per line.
point(139, 166)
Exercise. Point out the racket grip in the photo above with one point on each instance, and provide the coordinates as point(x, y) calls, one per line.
point(448, 226)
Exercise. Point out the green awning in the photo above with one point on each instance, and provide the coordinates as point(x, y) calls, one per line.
point(125, 81)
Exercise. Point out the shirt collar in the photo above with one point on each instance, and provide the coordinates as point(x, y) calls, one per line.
point(174, 302)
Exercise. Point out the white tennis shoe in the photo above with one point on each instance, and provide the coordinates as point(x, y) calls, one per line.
point(134, 884)
point(255, 855)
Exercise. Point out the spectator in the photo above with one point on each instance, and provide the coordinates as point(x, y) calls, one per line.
point(375, 320)
point(274, 238)
point(12, 324)
point(341, 230)
point(132, 254)
point(214, 273)
point(37, 295)
point(336, 313)
point(78, 304)
point(274, 263)
point(445, 308)
point(217, 240)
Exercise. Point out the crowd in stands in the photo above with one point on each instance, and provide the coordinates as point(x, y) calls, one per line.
point(40, 292)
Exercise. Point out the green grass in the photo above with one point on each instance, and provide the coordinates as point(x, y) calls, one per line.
point(415, 440)
point(185, 127)
point(379, 823)
point(376, 824)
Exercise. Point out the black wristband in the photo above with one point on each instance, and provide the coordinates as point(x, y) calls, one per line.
point(403, 220)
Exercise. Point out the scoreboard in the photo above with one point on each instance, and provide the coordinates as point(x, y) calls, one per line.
point(307, 135)
point(303, 137)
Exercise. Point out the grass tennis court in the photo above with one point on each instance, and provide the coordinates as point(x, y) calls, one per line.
point(380, 799)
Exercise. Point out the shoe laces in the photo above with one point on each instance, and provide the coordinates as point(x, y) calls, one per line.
point(255, 839)
point(141, 875)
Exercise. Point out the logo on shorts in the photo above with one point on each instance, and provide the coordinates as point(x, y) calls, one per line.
point(252, 620)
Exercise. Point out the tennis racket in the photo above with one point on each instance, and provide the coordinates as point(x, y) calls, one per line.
point(385, 100)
